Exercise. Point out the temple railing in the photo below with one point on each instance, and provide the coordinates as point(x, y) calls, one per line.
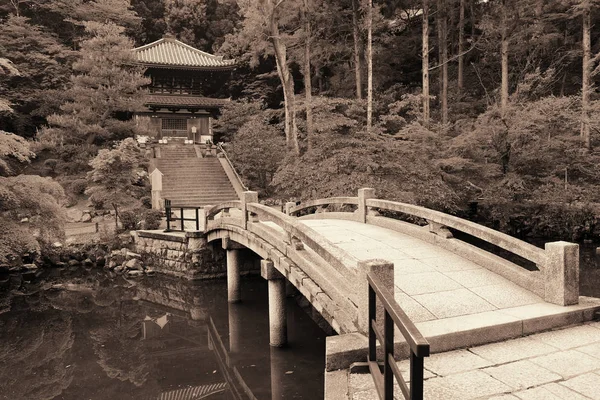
point(556, 277)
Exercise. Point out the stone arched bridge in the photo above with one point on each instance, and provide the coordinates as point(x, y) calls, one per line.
point(457, 294)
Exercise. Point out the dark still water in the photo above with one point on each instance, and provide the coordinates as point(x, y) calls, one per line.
point(589, 270)
point(86, 335)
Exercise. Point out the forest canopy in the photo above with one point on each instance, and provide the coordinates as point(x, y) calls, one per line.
point(443, 103)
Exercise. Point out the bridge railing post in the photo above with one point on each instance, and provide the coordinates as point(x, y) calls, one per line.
point(363, 195)
point(382, 269)
point(561, 273)
point(247, 197)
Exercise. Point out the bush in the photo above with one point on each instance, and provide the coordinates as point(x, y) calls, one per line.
point(146, 201)
point(140, 219)
point(97, 203)
point(152, 219)
point(78, 186)
point(130, 220)
point(51, 164)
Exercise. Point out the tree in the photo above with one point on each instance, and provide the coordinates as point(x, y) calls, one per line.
point(307, 75)
point(116, 178)
point(257, 151)
point(586, 85)
point(186, 19)
point(43, 64)
point(442, 29)
point(356, 35)
point(425, 62)
point(461, 45)
point(261, 27)
point(107, 84)
point(369, 65)
point(30, 206)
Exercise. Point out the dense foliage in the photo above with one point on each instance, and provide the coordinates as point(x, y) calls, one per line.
point(507, 115)
point(30, 206)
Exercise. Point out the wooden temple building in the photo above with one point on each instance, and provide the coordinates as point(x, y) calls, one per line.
point(186, 90)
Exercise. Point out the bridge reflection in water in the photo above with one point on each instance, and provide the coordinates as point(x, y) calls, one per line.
point(248, 368)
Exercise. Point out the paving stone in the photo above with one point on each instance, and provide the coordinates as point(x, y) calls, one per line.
point(415, 311)
point(512, 350)
point(427, 282)
point(464, 323)
point(595, 324)
point(454, 362)
point(567, 363)
point(453, 303)
point(563, 392)
point(423, 251)
point(476, 277)
point(506, 295)
point(569, 338)
point(370, 394)
point(587, 385)
point(537, 393)
point(409, 266)
point(358, 382)
point(468, 385)
point(591, 349)
point(433, 389)
point(404, 367)
point(450, 262)
point(522, 374)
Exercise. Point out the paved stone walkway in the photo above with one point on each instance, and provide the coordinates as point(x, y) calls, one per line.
point(444, 293)
point(559, 364)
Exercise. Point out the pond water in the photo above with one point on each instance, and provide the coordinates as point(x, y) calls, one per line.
point(89, 335)
point(589, 270)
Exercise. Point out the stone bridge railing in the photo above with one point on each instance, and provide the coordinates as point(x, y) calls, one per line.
point(335, 282)
point(556, 279)
point(337, 277)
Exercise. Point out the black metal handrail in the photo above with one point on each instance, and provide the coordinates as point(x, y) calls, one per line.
point(182, 219)
point(418, 345)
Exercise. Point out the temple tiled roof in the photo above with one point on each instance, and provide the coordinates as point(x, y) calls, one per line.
point(182, 101)
point(169, 52)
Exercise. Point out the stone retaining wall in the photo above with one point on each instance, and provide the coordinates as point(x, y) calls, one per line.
point(185, 254)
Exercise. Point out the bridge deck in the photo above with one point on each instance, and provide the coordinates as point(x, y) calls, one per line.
point(444, 293)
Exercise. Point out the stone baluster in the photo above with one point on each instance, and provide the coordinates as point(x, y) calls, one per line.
point(247, 197)
point(561, 273)
point(382, 269)
point(363, 195)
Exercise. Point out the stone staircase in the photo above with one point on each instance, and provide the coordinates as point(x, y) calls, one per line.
point(189, 181)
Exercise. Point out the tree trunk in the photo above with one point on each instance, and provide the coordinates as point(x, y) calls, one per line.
point(586, 74)
point(444, 43)
point(370, 67)
point(357, 48)
point(307, 77)
point(425, 62)
point(287, 83)
point(438, 23)
point(461, 45)
point(504, 54)
point(116, 217)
